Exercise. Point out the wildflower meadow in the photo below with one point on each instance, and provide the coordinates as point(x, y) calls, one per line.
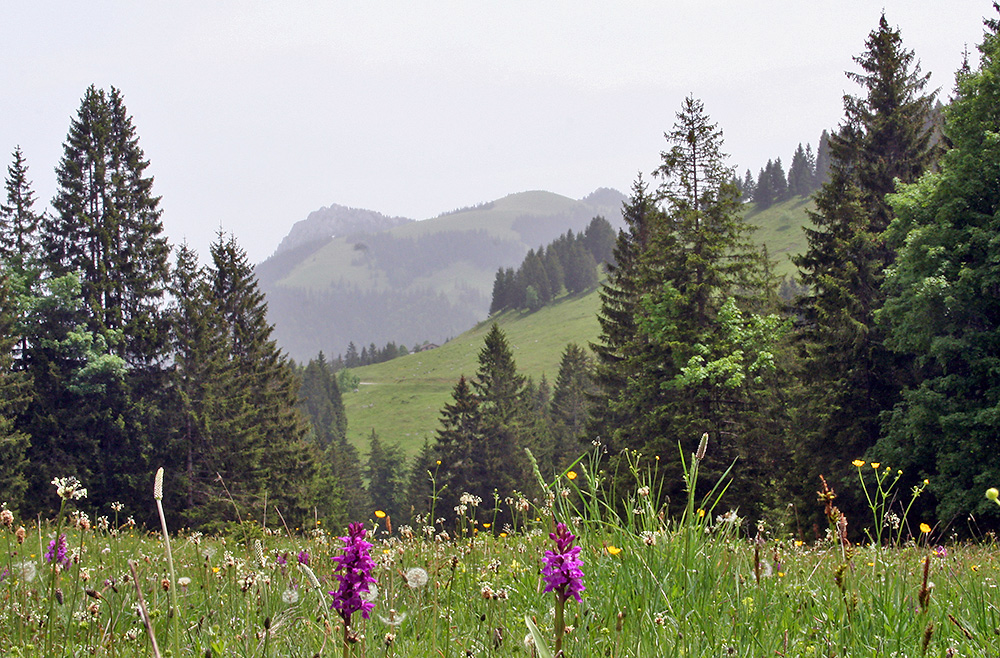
point(580, 572)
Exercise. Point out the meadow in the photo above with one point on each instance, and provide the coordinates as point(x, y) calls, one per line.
point(693, 581)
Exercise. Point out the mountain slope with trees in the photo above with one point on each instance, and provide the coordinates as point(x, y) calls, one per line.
point(416, 281)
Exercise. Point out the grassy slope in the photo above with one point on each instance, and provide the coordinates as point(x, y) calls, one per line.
point(402, 399)
point(780, 228)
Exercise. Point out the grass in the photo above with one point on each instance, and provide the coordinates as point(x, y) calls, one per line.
point(402, 399)
point(700, 585)
point(780, 229)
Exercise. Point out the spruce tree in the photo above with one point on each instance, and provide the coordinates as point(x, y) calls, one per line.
point(849, 377)
point(697, 281)
point(19, 223)
point(571, 400)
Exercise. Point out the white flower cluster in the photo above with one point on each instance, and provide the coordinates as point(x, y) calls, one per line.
point(69, 488)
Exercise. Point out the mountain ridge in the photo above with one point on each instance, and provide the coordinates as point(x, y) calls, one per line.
point(353, 275)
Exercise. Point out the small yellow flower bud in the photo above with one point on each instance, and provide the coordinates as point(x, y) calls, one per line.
point(992, 493)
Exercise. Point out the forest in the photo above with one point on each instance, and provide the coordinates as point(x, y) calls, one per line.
point(122, 353)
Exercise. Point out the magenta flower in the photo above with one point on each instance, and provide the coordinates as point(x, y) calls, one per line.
point(562, 573)
point(354, 571)
point(57, 550)
point(304, 558)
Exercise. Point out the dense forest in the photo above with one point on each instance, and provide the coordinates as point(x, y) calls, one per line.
point(121, 355)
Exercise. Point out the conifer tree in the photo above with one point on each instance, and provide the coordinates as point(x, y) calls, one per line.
point(800, 174)
point(385, 471)
point(19, 223)
point(849, 377)
point(696, 284)
point(107, 227)
point(456, 445)
point(571, 400)
point(14, 392)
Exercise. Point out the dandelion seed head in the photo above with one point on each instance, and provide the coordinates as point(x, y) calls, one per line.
point(416, 577)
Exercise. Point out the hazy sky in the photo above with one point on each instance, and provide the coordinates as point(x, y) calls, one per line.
point(253, 114)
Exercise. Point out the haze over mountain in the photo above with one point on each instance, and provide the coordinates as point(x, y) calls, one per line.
point(352, 275)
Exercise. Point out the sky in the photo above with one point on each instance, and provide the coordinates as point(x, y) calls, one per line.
point(253, 114)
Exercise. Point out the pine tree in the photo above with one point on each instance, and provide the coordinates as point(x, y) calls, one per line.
point(15, 389)
point(764, 193)
point(748, 188)
point(697, 281)
point(456, 446)
point(599, 238)
point(849, 377)
point(386, 476)
point(19, 223)
point(800, 174)
point(822, 171)
point(621, 295)
point(943, 307)
point(107, 227)
point(421, 485)
point(272, 458)
point(571, 402)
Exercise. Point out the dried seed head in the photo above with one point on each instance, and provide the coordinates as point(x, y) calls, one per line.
point(158, 484)
point(702, 446)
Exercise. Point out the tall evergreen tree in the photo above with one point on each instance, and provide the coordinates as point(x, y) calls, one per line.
point(385, 470)
point(271, 458)
point(697, 281)
point(599, 239)
point(800, 174)
point(107, 227)
point(822, 171)
point(849, 377)
point(571, 400)
point(19, 223)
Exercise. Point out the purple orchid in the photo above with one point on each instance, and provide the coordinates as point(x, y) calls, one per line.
point(562, 573)
point(354, 569)
point(57, 550)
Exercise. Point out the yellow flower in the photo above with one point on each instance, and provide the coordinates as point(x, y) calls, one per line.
point(487, 525)
point(858, 462)
point(798, 542)
point(439, 462)
point(571, 475)
point(613, 550)
point(503, 534)
point(924, 528)
point(379, 514)
point(215, 569)
point(701, 513)
point(876, 464)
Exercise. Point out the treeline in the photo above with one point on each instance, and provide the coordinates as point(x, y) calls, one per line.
point(885, 361)
point(568, 263)
point(120, 356)
point(806, 174)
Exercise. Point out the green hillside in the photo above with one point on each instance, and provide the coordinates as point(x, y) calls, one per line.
point(780, 228)
point(402, 399)
point(527, 219)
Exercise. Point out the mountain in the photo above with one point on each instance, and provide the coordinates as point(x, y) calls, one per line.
point(402, 399)
point(335, 220)
point(348, 275)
